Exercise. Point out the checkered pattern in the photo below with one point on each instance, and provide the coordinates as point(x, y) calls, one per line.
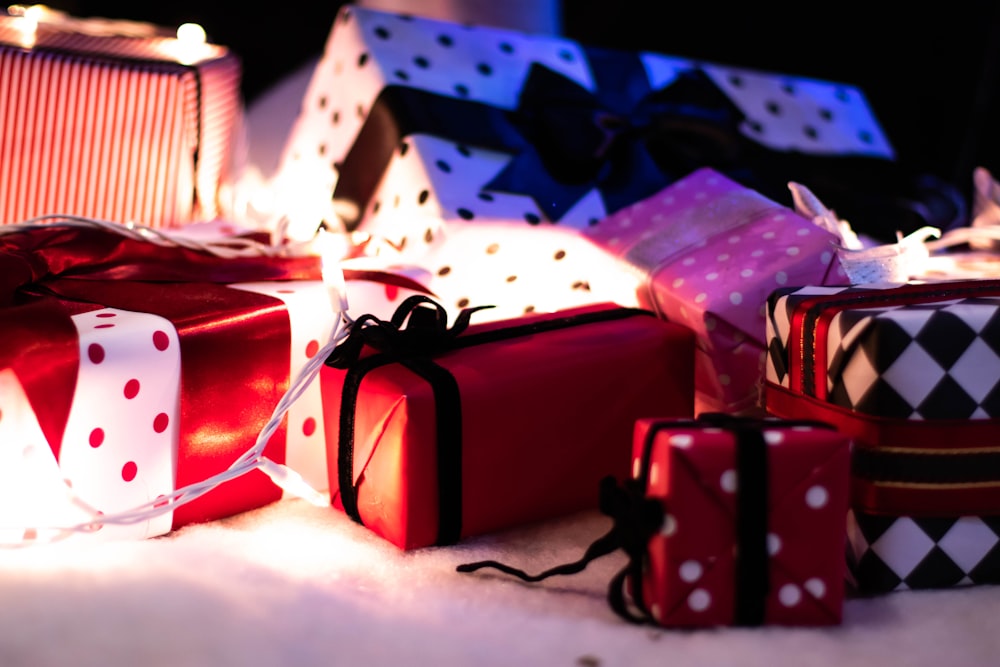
point(929, 361)
point(888, 553)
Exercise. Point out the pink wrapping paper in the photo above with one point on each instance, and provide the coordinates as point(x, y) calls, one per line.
point(710, 252)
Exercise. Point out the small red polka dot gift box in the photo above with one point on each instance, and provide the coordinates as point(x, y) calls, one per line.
point(412, 128)
point(130, 370)
point(437, 433)
point(709, 251)
point(725, 521)
point(115, 120)
point(910, 372)
point(753, 521)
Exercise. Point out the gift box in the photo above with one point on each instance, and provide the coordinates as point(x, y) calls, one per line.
point(413, 128)
point(707, 252)
point(908, 372)
point(752, 528)
point(436, 434)
point(113, 120)
point(130, 370)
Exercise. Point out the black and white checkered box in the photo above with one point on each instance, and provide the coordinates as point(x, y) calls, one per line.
point(932, 360)
point(888, 553)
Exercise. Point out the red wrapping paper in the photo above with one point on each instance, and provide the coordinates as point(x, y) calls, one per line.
point(543, 418)
point(234, 344)
point(691, 578)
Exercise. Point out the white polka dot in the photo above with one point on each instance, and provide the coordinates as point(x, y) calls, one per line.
point(802, 429)
point(700, 297)
point(711, 429)
point(699, 600)
point(825, 257)
point(690, 571)
point(728, 481)
point(767, 235)
point(817, 497)
point(773, 544)
point(781, 277)
point(778, 217)
point(636, 468)
point(792, 252)
point(803, 232)
point(688, 261)
point(724, 380)
point(654, 473)
point(710, 323)
point(659, 217)
point(789, 595)
point(678, 282)
point(682, 440)
point(746, 273)
point(774, 437)
point(712, 180)
point(625, 222)
point(668, 200)
point(735, 298)
point(700, 195)
point(815, 586)
point(757, 253)
point(724, 257)
point(711, 276)
point(614, 241)
point(734, 239)
point(669, 526)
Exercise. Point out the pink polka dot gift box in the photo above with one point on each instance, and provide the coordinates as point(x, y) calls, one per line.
point(709, 252)
point(114, 120)
point(752, 528)
point(129, 370)
point(437, 433)
point(411, 127)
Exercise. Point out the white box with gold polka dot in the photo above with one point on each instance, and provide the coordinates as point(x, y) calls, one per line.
point(419, 131)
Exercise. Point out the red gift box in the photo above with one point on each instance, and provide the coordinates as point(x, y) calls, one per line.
point(445, 434)
point(148, 368)
point(114, 120)
point(753, 526)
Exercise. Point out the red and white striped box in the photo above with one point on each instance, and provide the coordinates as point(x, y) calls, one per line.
point(115, 120)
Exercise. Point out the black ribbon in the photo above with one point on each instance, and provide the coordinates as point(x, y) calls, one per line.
point(637, 518)
point(416, 332)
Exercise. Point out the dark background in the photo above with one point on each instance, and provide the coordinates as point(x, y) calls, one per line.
point(930, 71)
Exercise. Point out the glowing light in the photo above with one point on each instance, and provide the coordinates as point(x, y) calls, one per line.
point(331, 248)
point(191, 33)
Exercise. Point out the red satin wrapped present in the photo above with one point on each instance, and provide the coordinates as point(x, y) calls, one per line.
point(437, 434)
point(753, 525)
point(144, 369)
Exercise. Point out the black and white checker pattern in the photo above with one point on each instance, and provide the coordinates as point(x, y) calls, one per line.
point(937, 360)
point(887, 553)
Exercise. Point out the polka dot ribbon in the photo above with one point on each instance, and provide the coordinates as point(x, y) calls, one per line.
point(637, 518)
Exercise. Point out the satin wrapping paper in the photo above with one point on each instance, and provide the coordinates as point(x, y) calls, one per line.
point(691, 579)
point(544, 418)
point(114, 120)
point(234, 344)
point(709, 252)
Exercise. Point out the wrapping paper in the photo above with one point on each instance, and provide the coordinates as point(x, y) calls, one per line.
point(130, 370)
point(113, 120)
point(706, 567)
point(496, 425)
point(907, 371)
point(707, 253)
